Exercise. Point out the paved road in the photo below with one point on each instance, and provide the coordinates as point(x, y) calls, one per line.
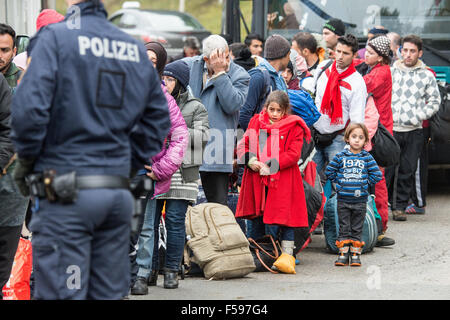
point(416, 267)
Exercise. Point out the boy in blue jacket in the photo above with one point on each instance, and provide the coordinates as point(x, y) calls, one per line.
point(353, 170)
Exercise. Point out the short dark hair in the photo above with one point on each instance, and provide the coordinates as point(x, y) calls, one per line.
point(236, 48)
point(252, 36)
point(349, 40)
point(412, 38)
point(306, 40)
point(192, 42)
point(6, 29)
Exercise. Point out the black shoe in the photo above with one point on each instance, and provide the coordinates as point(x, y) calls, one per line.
point(139, 288)
point(153, 279)
point(319, 228)
point(171, 279)
point(384, 241)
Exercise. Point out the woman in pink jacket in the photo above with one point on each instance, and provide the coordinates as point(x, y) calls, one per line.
point(161, 169)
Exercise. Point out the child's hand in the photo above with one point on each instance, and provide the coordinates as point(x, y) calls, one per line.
point(265, 170)
point(151, 174)
point(256, 165)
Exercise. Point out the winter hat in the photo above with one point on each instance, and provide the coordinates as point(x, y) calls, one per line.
point(46, 17)
point(161, 55)
point(381, 45)
point(276, 47)
point(178, 70)
point(376, 30)
point(336, 26)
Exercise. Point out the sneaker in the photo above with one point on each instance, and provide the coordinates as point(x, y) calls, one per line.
point(399, 215)
point(384, 241)
point(413, 209)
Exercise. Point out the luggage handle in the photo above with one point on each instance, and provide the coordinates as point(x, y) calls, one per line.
point(262, 249)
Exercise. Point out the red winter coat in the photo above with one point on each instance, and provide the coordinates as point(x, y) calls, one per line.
point(379, 83)
point(285, 202)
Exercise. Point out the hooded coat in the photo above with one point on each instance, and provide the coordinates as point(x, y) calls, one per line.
point(279, 197)
point(169, 159)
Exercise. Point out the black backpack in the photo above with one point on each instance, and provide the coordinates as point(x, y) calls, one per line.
point(385, 149)
point(440, 122)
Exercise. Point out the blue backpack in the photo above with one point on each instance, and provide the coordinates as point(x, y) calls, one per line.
point(304, 106)
point(331, 223)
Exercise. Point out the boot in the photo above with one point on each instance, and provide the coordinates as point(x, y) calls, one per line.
point(170, 279)
point(152, 280)
point(139, 287)
point(344, 247)
point(356, 250)
point(286, 261)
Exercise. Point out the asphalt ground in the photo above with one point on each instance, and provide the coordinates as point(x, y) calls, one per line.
point(417, 267)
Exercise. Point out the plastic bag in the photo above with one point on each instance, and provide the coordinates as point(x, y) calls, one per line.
point(18, 285)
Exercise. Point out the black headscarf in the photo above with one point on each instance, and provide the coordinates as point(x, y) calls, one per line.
point(161, 55)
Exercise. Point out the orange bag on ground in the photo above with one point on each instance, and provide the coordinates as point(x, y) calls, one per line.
point(18, 285)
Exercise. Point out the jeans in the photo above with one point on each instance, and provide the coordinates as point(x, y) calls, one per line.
point(176, 233)
point(281, 232)
point(146, 240)
point(326, 154)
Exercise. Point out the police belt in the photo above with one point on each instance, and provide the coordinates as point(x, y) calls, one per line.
point(64, 188)
point(100, 181)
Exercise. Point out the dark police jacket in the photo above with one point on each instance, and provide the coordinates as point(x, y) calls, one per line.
point(90, 100)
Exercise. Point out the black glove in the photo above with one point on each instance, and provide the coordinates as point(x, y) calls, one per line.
point(23, 168)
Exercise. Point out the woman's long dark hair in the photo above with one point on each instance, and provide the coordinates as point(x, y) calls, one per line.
point(177, 91)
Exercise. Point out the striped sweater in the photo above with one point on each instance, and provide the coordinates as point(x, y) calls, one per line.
point(352, 174)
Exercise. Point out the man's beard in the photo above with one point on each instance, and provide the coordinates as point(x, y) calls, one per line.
point(4, 68)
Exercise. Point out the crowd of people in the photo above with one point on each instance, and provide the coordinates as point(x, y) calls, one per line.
point(228, 108)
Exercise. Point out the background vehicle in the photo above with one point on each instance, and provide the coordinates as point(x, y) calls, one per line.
point(430, 19)
point(170, 28)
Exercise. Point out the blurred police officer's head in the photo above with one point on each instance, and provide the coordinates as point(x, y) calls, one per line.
point(7, 46)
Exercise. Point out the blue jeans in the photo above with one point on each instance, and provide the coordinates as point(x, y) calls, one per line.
point(176, 232)
point(325, 155)
point(146, 240)
point(280, 232)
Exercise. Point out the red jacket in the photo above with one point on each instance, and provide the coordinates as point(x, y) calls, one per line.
point(285, 202)
point(379, 83)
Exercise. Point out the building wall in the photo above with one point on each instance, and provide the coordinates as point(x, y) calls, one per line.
point(22, 14)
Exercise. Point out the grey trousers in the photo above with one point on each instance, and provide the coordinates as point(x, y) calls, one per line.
point(351, 220)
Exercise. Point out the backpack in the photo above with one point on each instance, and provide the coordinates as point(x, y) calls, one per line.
point(440, 122)
point(304, 106)
point(385, 149)
point(218, 245)
point(267, 87)
point(331, 223)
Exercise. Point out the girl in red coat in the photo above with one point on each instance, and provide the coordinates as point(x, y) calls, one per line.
point(272, 184)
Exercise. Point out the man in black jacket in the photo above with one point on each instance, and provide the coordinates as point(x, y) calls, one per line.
point(10, 223)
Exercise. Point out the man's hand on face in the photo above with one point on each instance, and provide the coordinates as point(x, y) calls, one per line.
point(219, 61)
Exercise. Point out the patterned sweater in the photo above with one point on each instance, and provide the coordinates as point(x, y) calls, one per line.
point(352, 174)
point(415, 96)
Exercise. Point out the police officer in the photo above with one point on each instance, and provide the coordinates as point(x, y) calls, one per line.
point(88, 111)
